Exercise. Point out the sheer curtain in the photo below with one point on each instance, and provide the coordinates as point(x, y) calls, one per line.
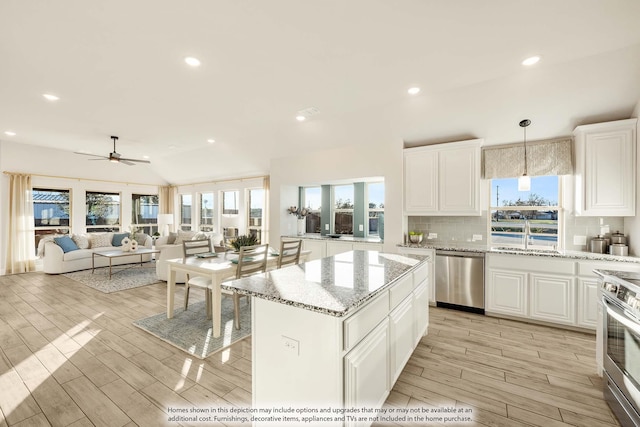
point(21, 250)
point(165, 199)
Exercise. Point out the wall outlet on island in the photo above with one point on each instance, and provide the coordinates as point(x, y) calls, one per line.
point(326, 227)
point(291, 346)
point(361, 227)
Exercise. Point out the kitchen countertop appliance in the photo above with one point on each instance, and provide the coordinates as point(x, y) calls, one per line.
point(460, 280)
point(619, 341)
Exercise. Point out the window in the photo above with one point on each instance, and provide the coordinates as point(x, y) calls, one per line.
point(206, 211)
point(50, 212)
point(185, 212)
point(256, 207)
point(144, 213)
point(103, 211)
point(312, 200)
point(375, 207)
point(525, 219)
point(230, 203)
point(343, 209)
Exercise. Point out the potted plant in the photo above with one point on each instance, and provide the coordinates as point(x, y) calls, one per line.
point(244, 240)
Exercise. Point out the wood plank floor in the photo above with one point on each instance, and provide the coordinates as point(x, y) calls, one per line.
point(70, 356)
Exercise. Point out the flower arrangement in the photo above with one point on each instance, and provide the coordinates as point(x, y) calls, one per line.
point(299, 212)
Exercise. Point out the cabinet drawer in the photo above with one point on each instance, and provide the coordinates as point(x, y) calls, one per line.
point(400, 290)
point(531, 263)
point(359, 325)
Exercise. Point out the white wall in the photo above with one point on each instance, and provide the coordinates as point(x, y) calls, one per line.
point(345, 164)
point(632, 224)
point(62, 169)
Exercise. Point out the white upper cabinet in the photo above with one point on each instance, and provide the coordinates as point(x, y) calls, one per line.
point(443, 179)
point(605, 175)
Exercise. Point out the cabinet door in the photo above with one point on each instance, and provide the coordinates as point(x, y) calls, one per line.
point(421, 311)
point(401, 325)
point(335, 248)
point(506, 292)
point(553, 298)
point(420, 180)
point(318, 248)
point(459, 181)
point(605, 169)
point(588, 303)
point(366, 370)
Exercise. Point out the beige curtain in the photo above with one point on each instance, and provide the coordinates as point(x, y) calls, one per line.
point(265, 212)
point(165, 199)
point(21, 250)
point(550, 157)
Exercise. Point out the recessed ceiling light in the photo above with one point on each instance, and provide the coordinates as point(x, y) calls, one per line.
point(301, 118)
point(211, 141)
point(145, 157)
point(190, 60)
point(414, 91)
point(50, 97)
point(172, 147)
point(10, 133)
point(530, 61)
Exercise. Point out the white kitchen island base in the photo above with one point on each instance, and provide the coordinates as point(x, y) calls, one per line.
point(328, 368)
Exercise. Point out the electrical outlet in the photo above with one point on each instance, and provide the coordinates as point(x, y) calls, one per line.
point(432, 236)
point(361, 227)
point(326, 227)
point(477, 237)
point(579, 240)
point(291, 346)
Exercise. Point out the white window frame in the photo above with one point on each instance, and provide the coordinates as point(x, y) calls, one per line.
point(116, 227)
point(212, 226)
point(152, 226)
point(367, 210)
point(335, 210)
point(318, 212)
point(183, 225)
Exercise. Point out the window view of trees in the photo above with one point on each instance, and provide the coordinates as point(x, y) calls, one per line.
point(313, 202)
point(375, 194)
point(206, 211)
point(144, 214)
point(103, 211)
point(50, 212)
point(343, 209)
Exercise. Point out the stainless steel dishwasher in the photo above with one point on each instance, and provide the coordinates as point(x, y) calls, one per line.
point(460, 280)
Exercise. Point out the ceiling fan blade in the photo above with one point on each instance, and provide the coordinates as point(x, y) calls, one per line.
point(93, 155)
point(127, 162)
point(135, 160)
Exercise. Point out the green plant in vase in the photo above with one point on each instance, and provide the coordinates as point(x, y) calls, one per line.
point(244, 240)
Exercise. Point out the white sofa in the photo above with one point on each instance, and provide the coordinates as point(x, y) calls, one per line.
point(173, 250)
point(56, 261)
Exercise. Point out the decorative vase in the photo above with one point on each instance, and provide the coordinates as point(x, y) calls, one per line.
point(302, 226)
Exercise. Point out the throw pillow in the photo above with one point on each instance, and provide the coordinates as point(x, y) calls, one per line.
point(100, 240)
point(117, 238)
point(66, 244)
point(140, 238)
point(184, 235)
point(81, 240)
point(172, 238)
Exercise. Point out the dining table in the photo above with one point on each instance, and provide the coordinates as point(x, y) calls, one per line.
point(219, 267)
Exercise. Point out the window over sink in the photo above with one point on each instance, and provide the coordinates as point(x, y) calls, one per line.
point(526, 219)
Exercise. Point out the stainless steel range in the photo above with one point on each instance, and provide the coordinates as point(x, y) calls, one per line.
point(620, 341)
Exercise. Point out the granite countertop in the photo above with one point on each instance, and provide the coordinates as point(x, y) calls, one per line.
point(345, 238)
point(579, 255)
point(334, 285)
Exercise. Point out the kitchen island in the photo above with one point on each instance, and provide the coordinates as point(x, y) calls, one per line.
point(335, 333)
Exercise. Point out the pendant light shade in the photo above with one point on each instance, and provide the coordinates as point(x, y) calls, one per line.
point(524, 182)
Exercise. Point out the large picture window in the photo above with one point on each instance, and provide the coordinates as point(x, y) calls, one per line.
point(375, 207)
point(103, 211)
point(51, 209)
point(525, 219)
point(313, 202)
point(186, 210)
point(144, 213)
point(206, 211)
point(256, 208)
point(230, 203)
point(343, 209)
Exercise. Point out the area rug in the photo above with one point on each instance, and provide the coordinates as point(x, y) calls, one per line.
point(120, 280)
point(191, 331)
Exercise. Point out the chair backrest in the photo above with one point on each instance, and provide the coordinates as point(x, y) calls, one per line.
point(289, 252)
point(252, 260)
point(194, 247)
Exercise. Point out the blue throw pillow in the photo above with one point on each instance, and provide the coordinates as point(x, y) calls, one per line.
point(117, 238)
point(66, 244)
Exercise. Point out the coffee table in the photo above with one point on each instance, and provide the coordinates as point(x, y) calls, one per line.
point(118, 254)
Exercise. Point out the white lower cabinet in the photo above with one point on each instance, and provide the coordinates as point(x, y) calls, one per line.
point(506, 292)
point(317, 247)
point(588, 302)
point(321, 248)
point(366, 371)
point(402, 333)
point(335, 248)
point(552, 298)
point(421, 317)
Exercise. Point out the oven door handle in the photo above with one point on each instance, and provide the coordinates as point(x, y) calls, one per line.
point(622, 317)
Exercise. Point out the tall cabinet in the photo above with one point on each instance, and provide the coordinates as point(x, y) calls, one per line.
point(443, 179)
point(605, 175)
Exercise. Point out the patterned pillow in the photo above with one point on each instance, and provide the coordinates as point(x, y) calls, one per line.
point(184, 235)
point(82, 240)
point(101, 240)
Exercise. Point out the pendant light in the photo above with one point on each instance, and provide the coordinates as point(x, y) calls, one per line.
point(524, 182)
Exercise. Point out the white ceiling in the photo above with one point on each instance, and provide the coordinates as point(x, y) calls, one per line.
point(118, 69)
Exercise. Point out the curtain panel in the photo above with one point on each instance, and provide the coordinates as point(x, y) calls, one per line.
point(550, 157)
point(165, 199)
point(21, 247)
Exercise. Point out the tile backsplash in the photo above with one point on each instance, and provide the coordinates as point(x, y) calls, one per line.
point(457, 229)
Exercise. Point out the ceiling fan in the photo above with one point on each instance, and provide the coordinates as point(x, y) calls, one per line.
point(114, 156)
